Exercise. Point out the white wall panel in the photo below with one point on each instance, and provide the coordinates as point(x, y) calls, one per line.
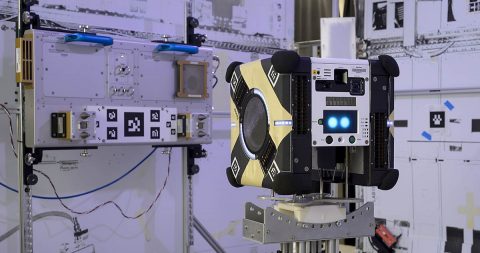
point(460, 70)
point(425, 74)
point(458, 192)
point(402, 208)
point(7, 63)
point(429, 16)
point(404, 80)
point(427, 199)
point(403, 111)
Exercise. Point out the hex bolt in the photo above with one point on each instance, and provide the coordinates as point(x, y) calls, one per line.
point(29, 159)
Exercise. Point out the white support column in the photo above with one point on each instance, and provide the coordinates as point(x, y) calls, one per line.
point(410, 23)
point(335, 9)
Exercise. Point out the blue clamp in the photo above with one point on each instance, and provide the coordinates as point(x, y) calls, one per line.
point(83, 37)
point(177, 48)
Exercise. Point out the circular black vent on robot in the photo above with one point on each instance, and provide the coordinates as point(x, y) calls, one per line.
point(254, 123)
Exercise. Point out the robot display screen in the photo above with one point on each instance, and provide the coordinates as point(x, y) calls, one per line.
point(339, 121)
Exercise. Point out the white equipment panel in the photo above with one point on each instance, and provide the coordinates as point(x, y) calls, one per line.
point(340, 102)
point(74, 85)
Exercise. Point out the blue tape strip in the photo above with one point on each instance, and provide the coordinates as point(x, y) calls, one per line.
point(426, 135)
point(449, 105)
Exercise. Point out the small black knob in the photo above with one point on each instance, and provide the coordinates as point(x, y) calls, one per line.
point(32, 179)
point(193, 22)
point(194, 170)
point(329, 139)
point(351, 139)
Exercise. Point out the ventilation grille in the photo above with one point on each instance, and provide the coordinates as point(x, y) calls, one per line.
point(380, 140)
point(301, 104)
point(327, 72)
point(240, 92)
point(25, 61)
point(267, 156)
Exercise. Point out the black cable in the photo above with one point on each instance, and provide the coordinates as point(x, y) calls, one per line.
point(110, 201)
point(215, 83)
point(215, 59)
point(12, 143)
point(371, 244)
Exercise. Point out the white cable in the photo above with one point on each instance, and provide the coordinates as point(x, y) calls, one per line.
point(411, 53)
point(35, 218)
point(6, 19)
point(441, 51)
point(416, 54)
point(12, 143)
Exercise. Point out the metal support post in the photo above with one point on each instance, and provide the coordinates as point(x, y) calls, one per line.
point(187, 199)
point(22, 196)
point(207, 236)
point(332, 246)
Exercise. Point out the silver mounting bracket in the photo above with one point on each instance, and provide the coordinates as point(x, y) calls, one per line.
point(270, 226)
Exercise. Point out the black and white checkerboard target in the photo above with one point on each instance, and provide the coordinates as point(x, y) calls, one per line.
point(136, 125)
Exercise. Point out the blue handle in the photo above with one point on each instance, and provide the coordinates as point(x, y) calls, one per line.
point(177, 48)
point(103, 40)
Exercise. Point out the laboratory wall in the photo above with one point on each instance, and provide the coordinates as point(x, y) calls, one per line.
point(238, 31)
point(435, 207)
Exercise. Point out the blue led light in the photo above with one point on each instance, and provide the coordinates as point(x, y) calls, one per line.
point(345, 122)
point(332, 122)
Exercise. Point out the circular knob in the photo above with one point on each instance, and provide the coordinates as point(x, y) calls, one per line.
point(351, 139)
point(329, 139)
point(193, 22)
point(32, 179)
